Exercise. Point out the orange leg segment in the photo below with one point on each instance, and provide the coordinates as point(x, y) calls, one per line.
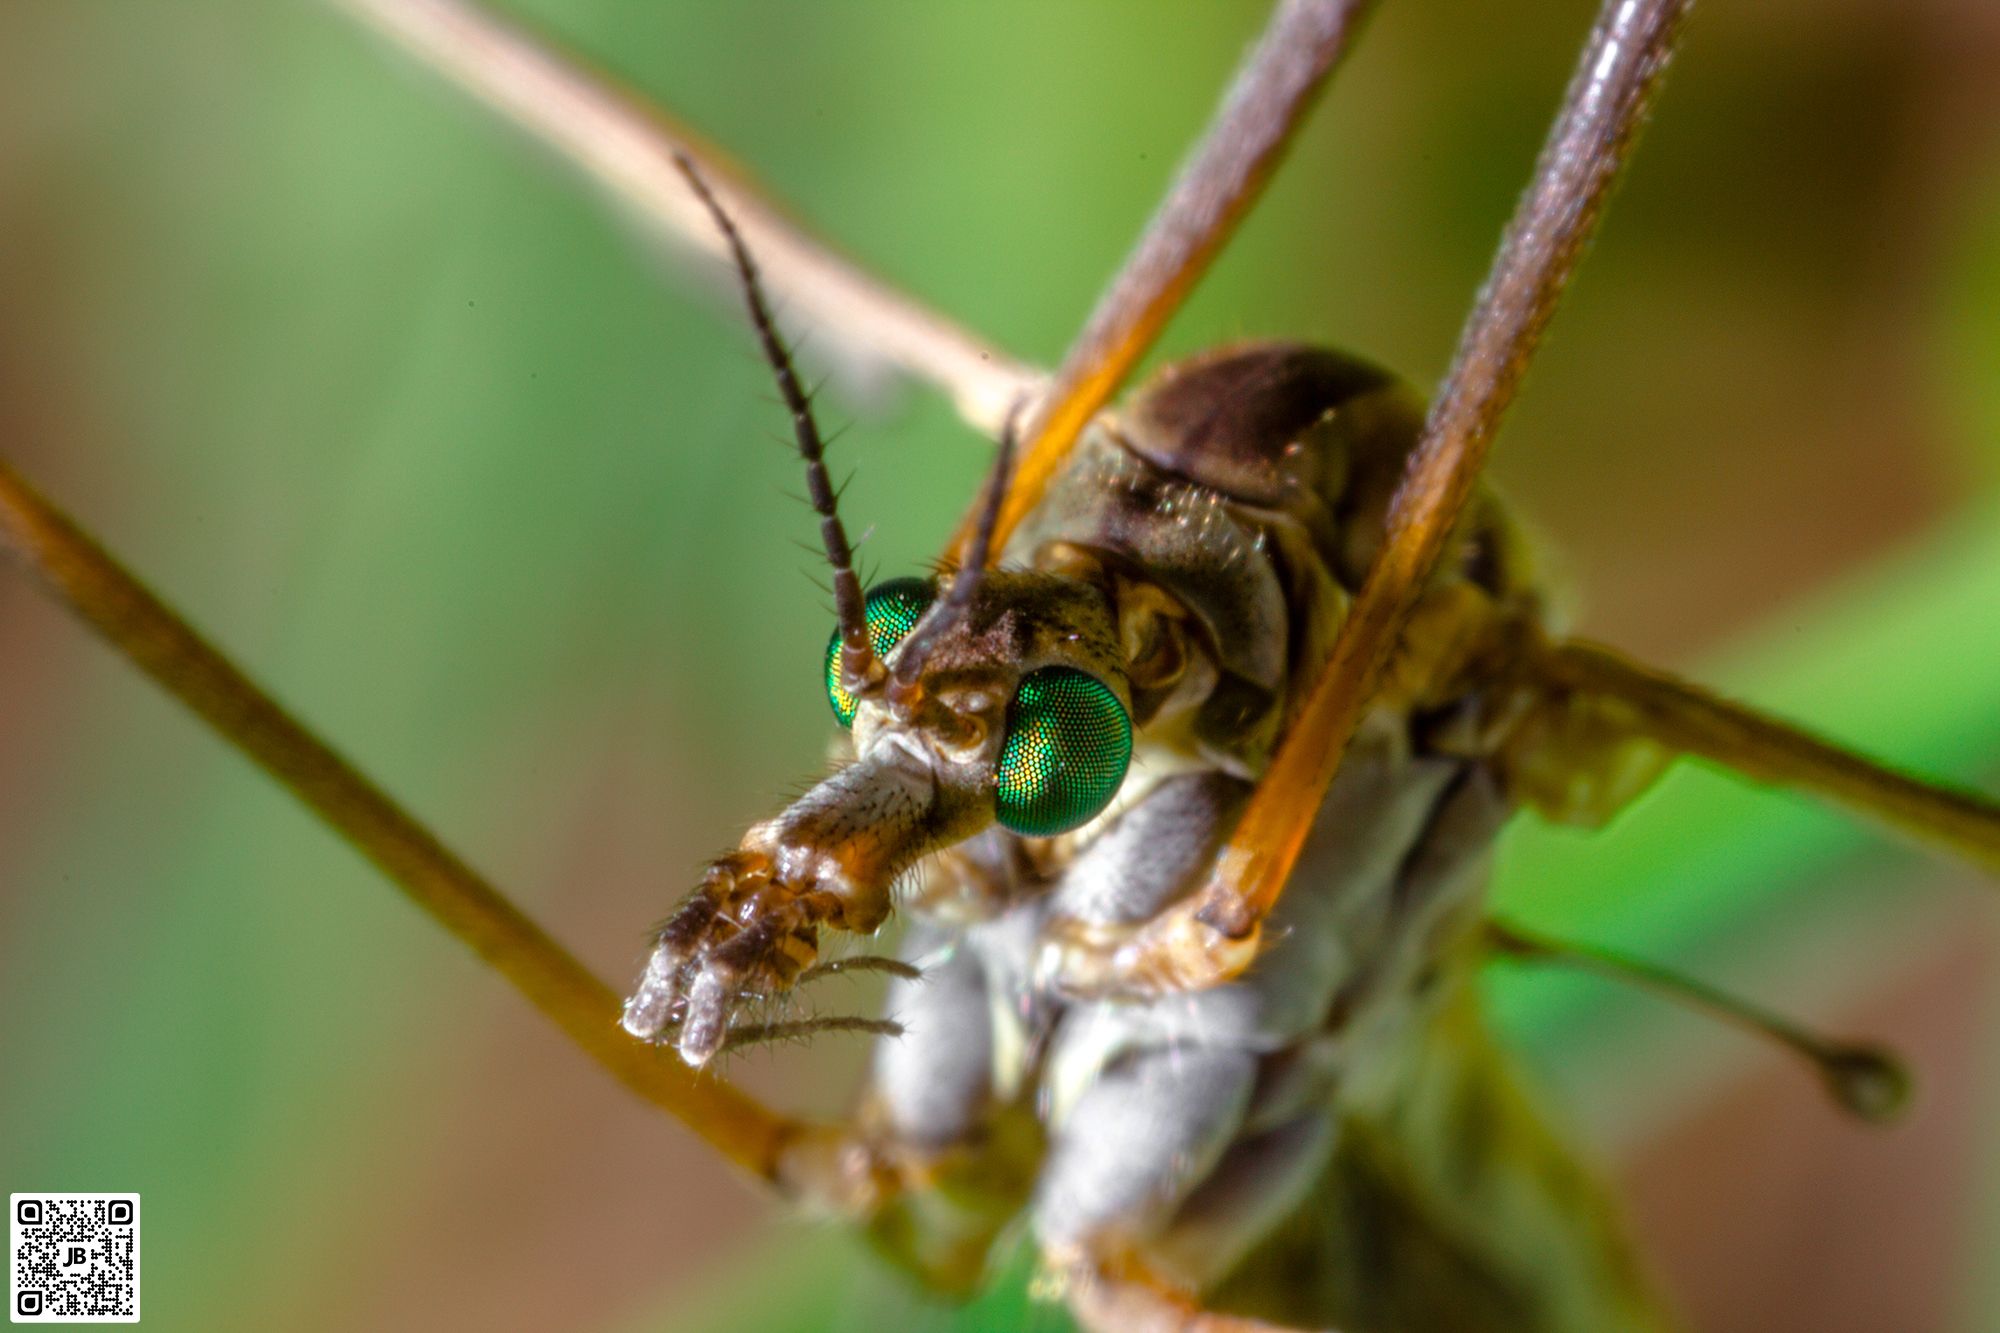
point(1214, 935)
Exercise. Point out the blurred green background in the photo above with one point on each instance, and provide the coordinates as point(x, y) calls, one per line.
point(493, 496)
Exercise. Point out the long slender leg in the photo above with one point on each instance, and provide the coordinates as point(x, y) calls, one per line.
point(159, 642)
point(628, 148)
point(822, 1164)
point(1686, 718)
point(1264, 108)
point(1214, 936)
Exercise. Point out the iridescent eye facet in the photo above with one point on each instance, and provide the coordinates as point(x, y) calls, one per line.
point(893, 610)
point(1067, 747)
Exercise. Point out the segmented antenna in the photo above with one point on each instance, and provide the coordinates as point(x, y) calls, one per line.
point(1864, 1080)
point(857, 658)
point(978, 553)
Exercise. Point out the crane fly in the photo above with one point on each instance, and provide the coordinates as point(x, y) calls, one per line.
point(1183, 763)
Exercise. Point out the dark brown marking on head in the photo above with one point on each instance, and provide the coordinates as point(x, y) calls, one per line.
point(1232, 418)
point(1018, 620)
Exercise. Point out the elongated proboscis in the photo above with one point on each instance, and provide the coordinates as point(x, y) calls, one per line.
point(857, 658)
point(977, 556)
point(1592, 137)
point(1862, 1078)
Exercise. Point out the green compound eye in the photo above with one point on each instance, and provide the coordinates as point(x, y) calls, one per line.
point(893, 610)
point(1067, 747)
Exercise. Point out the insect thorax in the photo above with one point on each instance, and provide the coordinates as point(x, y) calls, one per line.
point(1229, 513)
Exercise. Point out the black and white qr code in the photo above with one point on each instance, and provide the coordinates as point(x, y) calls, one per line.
point(73, 1258)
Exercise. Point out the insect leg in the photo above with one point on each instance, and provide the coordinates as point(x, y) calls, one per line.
point(86, 578)
point(933, 1087)
point(1118, 1170)
point(1685, 718)
point(1124, 1156)
point(775, 1147)
point(1863, 1079)
point(1214, 936)
point(628, 148)
point(1264, 107)
point(939, 1158)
